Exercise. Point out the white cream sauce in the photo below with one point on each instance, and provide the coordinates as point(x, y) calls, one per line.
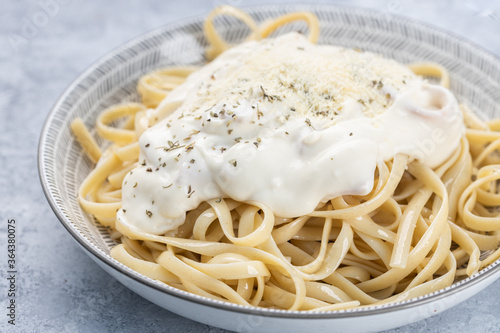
point(285, 123)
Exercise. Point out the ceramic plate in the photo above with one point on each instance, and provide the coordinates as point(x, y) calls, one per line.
point(475, 80)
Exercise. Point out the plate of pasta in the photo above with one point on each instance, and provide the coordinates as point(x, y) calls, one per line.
point(284, 168)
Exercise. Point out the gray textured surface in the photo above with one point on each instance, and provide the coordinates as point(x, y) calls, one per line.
point(59, 288)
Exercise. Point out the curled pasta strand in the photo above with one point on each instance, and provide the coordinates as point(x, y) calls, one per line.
point(258, 236)
point(493, 146)
point(128, 153)
point(309, 18)
point(473, 121)
point(354, 273)
point(118, 135)
point(462, 238)
point(314, 265)
point(209, 216)
point(335, 254)
point(147, 268)
point(231, 270)
point(155, 86)
point(401, 250)
point(382, 249)
point(457, 178)
point(217, 45)
point(468, 199)
point(432, 69)
point(364, 208)
point(285, 299)
point(440, 254)
point(95, 179)
point(86, 140)
point(289, 230)
point(204, 281)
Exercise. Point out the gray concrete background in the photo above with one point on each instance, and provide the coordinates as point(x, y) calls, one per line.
point(59, 289)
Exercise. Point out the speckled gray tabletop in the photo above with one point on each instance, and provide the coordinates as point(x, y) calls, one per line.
point(44, 45)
